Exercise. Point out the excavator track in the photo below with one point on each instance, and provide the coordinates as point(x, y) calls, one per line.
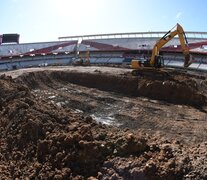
point(151, 72)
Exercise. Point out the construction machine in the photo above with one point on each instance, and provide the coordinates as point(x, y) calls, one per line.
point(156, 61)
point(83, 60)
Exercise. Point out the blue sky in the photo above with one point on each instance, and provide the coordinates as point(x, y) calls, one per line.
point(46, 20)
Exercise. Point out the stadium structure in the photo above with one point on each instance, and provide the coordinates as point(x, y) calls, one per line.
point(118, 48)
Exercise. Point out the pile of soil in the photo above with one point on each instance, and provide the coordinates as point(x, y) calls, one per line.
point(44, 141)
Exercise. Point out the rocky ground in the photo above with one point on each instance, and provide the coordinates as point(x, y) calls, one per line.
point(102, 123)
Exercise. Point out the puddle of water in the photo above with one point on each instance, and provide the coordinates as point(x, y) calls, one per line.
point(126, 100)
point(104, 119)
point(144, 99)
point(108, 120)
point(76, 91)
point(154, 101)
point(59, 104)
point(51, 97)
point(78, 111)
point(63, 89)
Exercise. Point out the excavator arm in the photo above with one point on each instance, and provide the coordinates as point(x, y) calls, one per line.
point(165, 39)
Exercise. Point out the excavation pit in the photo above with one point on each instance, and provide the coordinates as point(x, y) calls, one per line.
point(119, 99)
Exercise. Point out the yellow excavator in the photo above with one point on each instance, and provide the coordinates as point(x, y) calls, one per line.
point(83, 60)
point(156, 61)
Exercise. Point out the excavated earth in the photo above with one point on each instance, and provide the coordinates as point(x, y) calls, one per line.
point(102, 123)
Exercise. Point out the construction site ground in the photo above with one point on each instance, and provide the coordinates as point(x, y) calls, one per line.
point(102, 122)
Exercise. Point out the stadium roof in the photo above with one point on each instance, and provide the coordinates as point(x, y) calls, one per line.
point(189, 34)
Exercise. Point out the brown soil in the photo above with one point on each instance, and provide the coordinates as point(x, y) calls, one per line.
point(48, 128)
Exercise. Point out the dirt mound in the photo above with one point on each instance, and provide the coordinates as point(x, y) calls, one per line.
point(172, 91)
point(175, 88)
point(43, 141)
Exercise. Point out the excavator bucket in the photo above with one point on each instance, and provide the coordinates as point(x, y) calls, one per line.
point(188, 60)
